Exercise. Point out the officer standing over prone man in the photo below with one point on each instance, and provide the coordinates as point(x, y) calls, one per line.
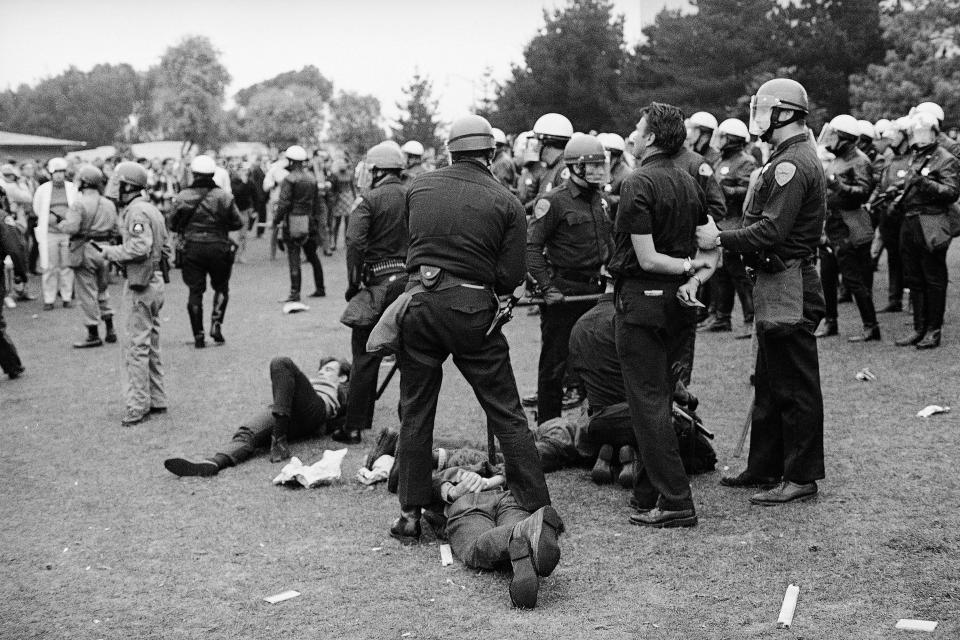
point(466, 246)
point(143, 253)
point(779, 239)
point(567, 243)
point(377, 242)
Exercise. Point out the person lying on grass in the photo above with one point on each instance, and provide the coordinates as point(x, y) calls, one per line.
point(302, 408)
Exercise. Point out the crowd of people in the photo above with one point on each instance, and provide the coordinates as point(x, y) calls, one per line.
point(627, 245)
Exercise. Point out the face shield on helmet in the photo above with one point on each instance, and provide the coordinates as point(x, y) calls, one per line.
point(923, 129)
point(761, 114)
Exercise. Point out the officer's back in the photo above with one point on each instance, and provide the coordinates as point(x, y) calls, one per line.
point(210, 211)
point(298, 193)
point(385, 234)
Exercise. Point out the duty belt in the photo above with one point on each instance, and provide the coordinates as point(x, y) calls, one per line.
point(385, 267)
point(576, 275)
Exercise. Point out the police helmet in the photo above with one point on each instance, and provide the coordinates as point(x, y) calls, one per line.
point(499, 137)
point(296, 153)
point(583, 148)
point(553, 127)
point(89, 177)
point(734, 127)
point(412, 148)
point(203, 165)
point(385, 156)
point(929, 107)
point(779, 94)
point(612, 142)
point(131, 173)
point(703, 120)
point(867, 129)
point(470, 133)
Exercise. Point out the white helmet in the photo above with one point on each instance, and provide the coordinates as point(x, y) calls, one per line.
point(499, 137)
point(56, 164)
point(929, 107)
point(553, 125)
point(882, 123)
point(846, 124)
point(923, 128)
point(703, 120)
point(296, 153)
point(867, 130)
point(412, 148)
point(612, 142)
point(203, 164)
point(734, 127)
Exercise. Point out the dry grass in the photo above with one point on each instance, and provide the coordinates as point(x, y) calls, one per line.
point(99, 541)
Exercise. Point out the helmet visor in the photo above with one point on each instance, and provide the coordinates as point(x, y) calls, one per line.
point(531, 151)
point(761, 108)
point(829, 138)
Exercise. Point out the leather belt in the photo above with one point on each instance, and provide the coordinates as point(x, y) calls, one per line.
point(575, 275)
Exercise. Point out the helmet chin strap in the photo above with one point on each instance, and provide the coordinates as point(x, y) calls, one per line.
point(776, 123)
point(580, 171)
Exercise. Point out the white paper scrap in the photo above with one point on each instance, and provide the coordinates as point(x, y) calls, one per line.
point(916, 625)
point(788, 607)
point(446, 556)
point(280, 597)
point(930, 410)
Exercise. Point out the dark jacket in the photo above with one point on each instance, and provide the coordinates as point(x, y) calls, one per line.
point(299, 196)
point(10, 245)
point(698, 167)
point(932, 183)
point(203, 212)
point(732, 172)
point(378, 228)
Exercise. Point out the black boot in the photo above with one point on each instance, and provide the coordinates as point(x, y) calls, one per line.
point(917, 306)
point(93, 339)
point(406, 528)
point(870, 333)
point(216, 316)
point(931, 340)
point(195, 311)
point(827, 328)
point(111, 336)
point(279, 450)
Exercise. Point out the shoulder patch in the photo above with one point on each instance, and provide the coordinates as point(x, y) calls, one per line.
point(705, 170)
point(565, 174)
point(137, 228)
point(541, 208)
point(784, 173)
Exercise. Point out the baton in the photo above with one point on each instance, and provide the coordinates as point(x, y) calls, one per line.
point(746, 429)
point(386, 381)
point(533, 302)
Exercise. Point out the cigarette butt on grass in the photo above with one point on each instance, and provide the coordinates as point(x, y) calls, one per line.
point(788, 607)
point(916, 625)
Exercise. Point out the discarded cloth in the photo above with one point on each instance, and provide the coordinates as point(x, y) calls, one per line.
point(322, 472)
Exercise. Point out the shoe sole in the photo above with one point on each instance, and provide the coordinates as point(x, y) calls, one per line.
point(776, 503)
point(525, 584)
point(674, 523)
point(187, 468)
point(602, 472)
point(545, 549)
point(131, 423)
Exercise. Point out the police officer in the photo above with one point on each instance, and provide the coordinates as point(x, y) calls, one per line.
point(700, 128)
point(567, 242)
point(615, 146)
point(849, 229)
point(91, 217)
point(894, 139)
point(143, 254)
point(526, 151)
point(376, 272)
point(300, 210)
point(466, 246)
point(658, 271)
point(932, 185)
point(203, 215)
point(413, 151)
point(945, 141)
point(780, 234)
point(732, 172)
point(503, 167)
point(551, 133)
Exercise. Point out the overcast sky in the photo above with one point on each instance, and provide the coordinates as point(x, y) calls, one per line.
point(367, 46)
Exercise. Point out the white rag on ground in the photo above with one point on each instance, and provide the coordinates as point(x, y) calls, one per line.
point(322, 472)
point(379, 473)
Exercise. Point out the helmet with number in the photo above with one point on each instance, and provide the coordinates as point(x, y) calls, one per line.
point(612, 142)
point(56, 164)
point(734, 127)
point(131, 173)
point(470, 133)
point(499, 137)
point(412, 148)
point(583, 148)
point(204, 165)
point(553, 127)
point(89, 177)
point(929, 107)
point(295, 153)
point(703, 120)
point(385, 156)
point(867, 129)
point(773, 97)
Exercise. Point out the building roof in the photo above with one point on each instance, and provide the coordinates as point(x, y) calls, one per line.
point(11, 139)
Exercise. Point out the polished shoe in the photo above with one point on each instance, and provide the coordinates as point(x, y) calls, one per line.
point(572, 398)
point(347, 437)
point(785, 492)
point(132, 417)
point(631, 466)
point(525, 583)
point(158, 410)
point(660, 519)
point(893, 307)
point(602, 472)
point(406, 529)
point(828, 327)
point(216, 332)
point(910, 340)
point(747, 479)
point(530, 401)
point(183, 467)
point(871, 333)
point(93, 339)
point(319, 293)
point(199, 342)
point(386, 445)
point(930, 341)
point(540, 531)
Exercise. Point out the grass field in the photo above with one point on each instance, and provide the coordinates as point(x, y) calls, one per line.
point(97, 540)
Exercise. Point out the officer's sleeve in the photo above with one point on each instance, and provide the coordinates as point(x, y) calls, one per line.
point(787, 189)
point(285, 201)
point(739, 182)
point(943, 185)
point(540, 230)
point(857, 183)
point(137, 241)
point(716, 203)
point(356, 240)
point(71, 224)
point(511, 262)
point(234, 221)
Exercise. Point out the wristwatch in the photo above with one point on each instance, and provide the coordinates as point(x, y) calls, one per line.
point(688, 269)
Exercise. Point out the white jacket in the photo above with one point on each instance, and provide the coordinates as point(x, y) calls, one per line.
point(41, 206)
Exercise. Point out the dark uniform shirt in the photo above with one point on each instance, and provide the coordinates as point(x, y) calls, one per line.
point(661, 199)
point(593, 355)
point(553, 176)
point(299, 196)
point(787, 206)
point(697, 166)
point(849, 185)
point(529, 181)
point(893, 175)
point(570, 231)
point(732, 171)
point(203, 212)
point(933, 182)
point(462, 220)
point(378, 227)
point(504, 170)
point(949, 144)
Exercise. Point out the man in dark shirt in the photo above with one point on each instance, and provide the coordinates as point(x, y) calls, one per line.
point(467, 236)
point(661, 207)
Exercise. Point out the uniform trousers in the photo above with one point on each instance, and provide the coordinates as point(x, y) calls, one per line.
point(453, 321)
point(207, 259)
point(556, 323)
point(144, 372)
point(890, 233)
point(91, 282)
point(309, 247)
point(479, 528)
point(924, 271)
point(58, 276)
point(293, 396)
point(731, 280)
point(855, 265)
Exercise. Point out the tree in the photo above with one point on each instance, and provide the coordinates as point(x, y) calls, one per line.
point(355, 122)
point(922, 63)
point(187, 91)
point(291, 115)
point(91, 106)
point(308, 77)
point(571, 67)
point(418, 113)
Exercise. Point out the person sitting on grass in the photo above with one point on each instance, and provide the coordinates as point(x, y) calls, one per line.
point(302, 408)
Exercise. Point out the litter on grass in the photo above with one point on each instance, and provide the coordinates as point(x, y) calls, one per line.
point(446, 556)
point(322, 472)
point(379, 473)
point(788, 607)
point(295, 307)
point(916, 625)
point(280, 597)
point(866, 375)
point(931, 409)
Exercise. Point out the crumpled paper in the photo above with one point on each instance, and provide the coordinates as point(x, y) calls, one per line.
point(324, 471)
point(866, 375)
point(295, 307)
point(929, 410)
point(379, 473)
